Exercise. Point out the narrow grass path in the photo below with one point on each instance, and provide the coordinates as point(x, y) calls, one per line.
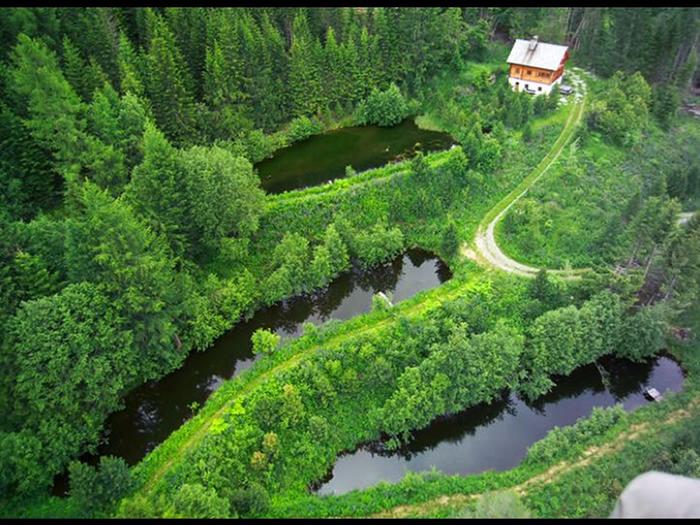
point(486, 250)
point(197, 428)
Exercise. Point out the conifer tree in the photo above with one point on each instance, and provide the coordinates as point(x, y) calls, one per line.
point(334, 83)
point(130, 77)
point(304, 72)
point(155, 190)
point(53, 108)
point(167, 82)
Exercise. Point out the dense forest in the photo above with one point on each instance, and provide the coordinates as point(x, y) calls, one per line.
point(134, 230)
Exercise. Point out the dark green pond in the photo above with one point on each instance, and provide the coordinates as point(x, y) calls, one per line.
point(322, 158)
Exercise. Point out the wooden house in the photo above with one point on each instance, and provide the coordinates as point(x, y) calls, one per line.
point(536, 67)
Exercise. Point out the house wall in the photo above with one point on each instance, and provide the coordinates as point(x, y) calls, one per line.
point(543, 76)
point(541, 88)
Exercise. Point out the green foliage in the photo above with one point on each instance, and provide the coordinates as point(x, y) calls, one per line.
point(264, 342)
point(194, 197)
point(49, 100)
point(55, 116)
point(376, 244)
point(196, 501)
point(462, 372)
point(622, 108)
point(644, 40)
point(27, 181)
point(301, 128)
point(69, 375)
point(587, 211)
point(20, 472)
point(544, 293)
point(251, 501)
point(665, 103)
point(561, 440)
point(384, 108)
point(96, 490)
point(565, 338)
point(222, 196)
point(168, 83)
point(133, 266)
point(450, 239)
point(643, 334)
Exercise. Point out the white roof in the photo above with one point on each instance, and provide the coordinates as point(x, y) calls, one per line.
point(545, 56)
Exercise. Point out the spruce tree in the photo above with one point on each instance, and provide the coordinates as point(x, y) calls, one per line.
point(156, 191)
point(173, 104)
point(304, 71)
point(130, 77)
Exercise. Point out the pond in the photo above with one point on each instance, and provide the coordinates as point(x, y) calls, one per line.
point(497, 435)
point(323, 157)
point(154, 410)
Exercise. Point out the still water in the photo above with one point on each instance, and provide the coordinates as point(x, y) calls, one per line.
point(497, 435)
point(323, 157)
point(154, 410)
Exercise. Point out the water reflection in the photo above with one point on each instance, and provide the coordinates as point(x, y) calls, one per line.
point(497, 435)
point(322, 158)
point(154, 410)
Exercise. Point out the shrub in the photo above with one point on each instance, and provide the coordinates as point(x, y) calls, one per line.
point(195, 501)
point(384, 108)
point(264, 341)
point(96, 490)
point(302, 128)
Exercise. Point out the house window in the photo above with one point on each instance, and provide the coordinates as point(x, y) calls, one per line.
point(517, 70)
point(529, 71)
point(539, 88)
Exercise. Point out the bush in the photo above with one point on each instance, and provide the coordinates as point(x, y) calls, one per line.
point(450, 239)
point(559, 441)
point(251, 501)
point(302, 128)
point(195, 501)
point(384, 108)
point(95, 490)
point(377, 244)
point(264, 341)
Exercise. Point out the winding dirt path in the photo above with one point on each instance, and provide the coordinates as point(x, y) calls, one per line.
point(486, 250)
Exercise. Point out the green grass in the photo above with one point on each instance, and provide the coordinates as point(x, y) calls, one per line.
point(574, 115)
point(152, 469)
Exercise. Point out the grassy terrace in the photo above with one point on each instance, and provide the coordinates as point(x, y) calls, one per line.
point(152, 471)
point(154, 467)
point(374, 175)
point(571, 483)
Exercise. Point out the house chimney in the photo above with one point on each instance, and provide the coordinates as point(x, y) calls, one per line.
point(533, 44)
